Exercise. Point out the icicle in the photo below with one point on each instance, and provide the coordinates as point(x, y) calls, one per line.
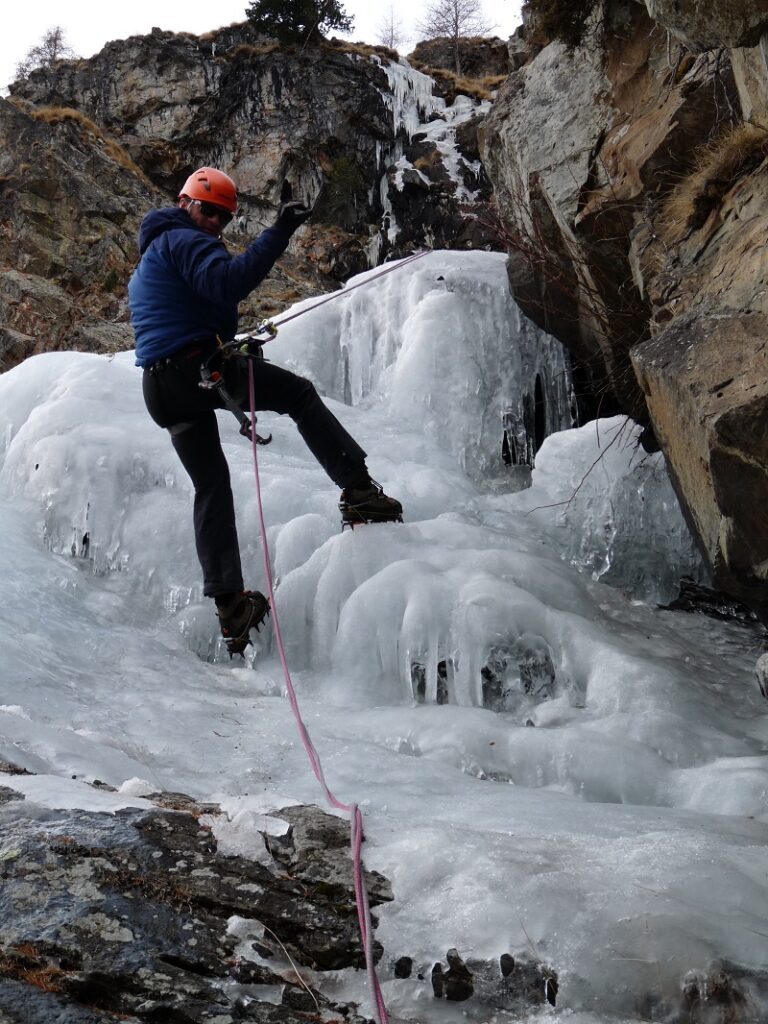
point(416, 109)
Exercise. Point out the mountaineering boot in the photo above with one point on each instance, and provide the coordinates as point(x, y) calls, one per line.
point(367, 503)
point(238, 615)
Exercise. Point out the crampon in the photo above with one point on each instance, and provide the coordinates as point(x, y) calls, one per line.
point(369, 505)
point(248, 613)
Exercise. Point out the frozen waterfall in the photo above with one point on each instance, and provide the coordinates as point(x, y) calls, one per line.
point(548, 766)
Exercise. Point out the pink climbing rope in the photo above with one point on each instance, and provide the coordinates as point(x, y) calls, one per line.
point(355, 817)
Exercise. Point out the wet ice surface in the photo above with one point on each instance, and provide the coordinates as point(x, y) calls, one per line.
point(546, 765)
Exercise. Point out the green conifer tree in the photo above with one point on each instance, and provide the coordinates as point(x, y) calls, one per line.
point(297, 20)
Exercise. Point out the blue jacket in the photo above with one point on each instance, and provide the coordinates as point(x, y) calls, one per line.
point(187, 286)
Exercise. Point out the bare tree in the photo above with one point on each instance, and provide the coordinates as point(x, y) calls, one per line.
point(454, 19)
point(52, 46)
point(389, 32)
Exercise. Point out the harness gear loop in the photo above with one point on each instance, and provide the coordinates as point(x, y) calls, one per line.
point(213, 380)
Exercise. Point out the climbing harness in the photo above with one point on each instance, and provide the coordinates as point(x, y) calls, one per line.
point(355, 816)
point(213, 380)
point(251, 345)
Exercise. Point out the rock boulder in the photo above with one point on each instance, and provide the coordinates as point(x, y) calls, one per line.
point(136, 916)
point(702, 25)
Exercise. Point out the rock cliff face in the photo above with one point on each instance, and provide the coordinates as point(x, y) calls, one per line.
point(69, 211)
point(158, 916)
point(264, 113)
point(90, 145)
point(138, 916)
point(480, 56)
point(704, 26)
point(633, 202)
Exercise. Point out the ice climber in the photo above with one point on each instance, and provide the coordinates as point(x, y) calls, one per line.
point(183, 299)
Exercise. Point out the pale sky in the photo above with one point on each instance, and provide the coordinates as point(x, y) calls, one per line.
point(88, 27)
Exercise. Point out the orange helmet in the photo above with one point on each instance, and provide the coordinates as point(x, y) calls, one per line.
point(211, 186)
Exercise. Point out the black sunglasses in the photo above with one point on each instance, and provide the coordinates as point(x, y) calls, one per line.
point(211, 210)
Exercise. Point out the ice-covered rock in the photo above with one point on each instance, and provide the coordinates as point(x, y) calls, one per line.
point(545, 766)
point(444, 346)
point(610, 509)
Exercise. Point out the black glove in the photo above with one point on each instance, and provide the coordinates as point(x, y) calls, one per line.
point(292, 215)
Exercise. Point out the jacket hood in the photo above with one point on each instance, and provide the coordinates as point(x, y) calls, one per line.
point(157, 222)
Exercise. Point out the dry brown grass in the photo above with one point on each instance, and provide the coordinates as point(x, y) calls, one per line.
point(476, 88)
point(68, 115)
point(427, 162)
point(717, 167)
point(489, 83)
point(261, 49)
point(157, 888)
point(250, 50)
point(363, 49)
point(26, 964)
point(208, 37)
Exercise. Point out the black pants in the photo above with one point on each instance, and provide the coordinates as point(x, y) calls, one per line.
point(175, 401)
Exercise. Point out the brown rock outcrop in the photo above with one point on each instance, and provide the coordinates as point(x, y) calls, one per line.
point(90, 145)
point(70, 202)
point(479, 56)
point(572, 179)
point(750, 70)
point(705, 371)
point(636, 218)
point(707, 383)
point(325, 118)
point(703, 25)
